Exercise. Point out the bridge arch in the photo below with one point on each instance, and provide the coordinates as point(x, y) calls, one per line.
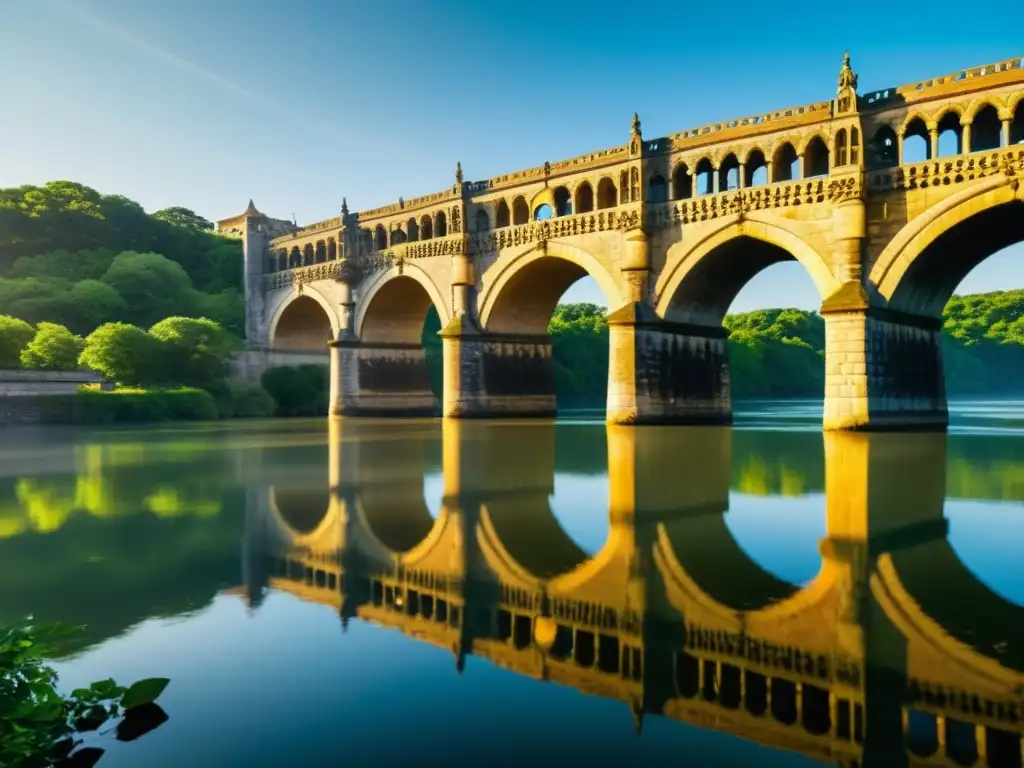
point(527, 286)
point(920, 268)
point(701, 279)
point(395, 303)
point(303, 321)
point(303, 517)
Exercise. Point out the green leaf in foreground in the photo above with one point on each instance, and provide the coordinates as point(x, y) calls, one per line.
point(144, 692)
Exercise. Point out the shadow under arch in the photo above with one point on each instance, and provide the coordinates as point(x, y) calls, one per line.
point(922, 266)
point(701, 279)
point(303, 322)
point(394, 306)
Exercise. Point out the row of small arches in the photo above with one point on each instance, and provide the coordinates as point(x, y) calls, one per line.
point(414, 230)
point(283, 258)
point(955, 132)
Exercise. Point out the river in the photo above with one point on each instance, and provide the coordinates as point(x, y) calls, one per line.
point(411, 592)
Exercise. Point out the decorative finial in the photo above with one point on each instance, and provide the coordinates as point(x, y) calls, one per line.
point(344, 207)
point(547, 169)
point(636, 124)
point(401, 202)
point(847, 79)
point(251, 209)
point(458, 172)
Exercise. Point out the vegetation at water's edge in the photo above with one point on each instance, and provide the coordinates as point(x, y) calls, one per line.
point(39, 726)
point(83, 275)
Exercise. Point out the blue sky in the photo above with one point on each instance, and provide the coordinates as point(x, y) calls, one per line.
point(206, 103)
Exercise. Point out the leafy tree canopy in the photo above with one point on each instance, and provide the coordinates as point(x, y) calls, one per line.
point(54, 348)
point(184, 218)
point(15, 334)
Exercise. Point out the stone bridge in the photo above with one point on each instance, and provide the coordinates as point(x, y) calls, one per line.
point(869, 661)
point(671, 229)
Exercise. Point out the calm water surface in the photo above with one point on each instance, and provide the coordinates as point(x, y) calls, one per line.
point(376, 592)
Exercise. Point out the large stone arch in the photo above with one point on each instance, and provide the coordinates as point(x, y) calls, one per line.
point(714, 285)
point(554, 268)
point(296, 322)
point(303, 518)
point(912, 274)
point(394, 294)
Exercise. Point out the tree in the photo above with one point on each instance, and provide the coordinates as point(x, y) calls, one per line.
point(54, 348)
point(184, 218)
point(153, 286)
point(93, 303)
point(84, 265)
point(15, 334)
point(194, 351)
point(121, 352)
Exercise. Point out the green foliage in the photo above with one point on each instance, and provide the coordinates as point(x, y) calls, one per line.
point(152, 285)
point(15, 335)
point(54, 348)
point(95, 406)
point(194, 351)
point(41, 727)
point(299, 390)
point(244, 401)
point(121, 352)
point(184, 218)
point(55, 237)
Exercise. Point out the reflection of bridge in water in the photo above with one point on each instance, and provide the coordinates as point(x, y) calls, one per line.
point(894, 654)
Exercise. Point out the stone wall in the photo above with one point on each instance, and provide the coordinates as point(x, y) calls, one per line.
point(25, 396)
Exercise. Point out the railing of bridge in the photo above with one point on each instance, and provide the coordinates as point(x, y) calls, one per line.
point(327, 270)
point(881, 98)
point(944, 171)
point(780, 194)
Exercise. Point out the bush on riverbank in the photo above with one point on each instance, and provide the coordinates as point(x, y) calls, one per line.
point(54, 348)
point(94, 406)
point(15, 335)
point(297, 390)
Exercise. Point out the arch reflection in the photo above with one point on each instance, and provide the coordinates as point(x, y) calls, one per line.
point(894, 654)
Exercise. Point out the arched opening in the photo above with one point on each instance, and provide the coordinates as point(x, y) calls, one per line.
point(440, 224)
point(816, 158)
point(295, 258)
point(785, 163)
point(704, 178)
point(302, 508)
point(380, 238)
point(986, 130)
point(332, 250)
point(502, 215)
point(841, 149)
point(756, 169)
point(412, 230)
point(623, 187)
point(951, 135)
point(974, 347)
point(282, 260)
point(682, 183)
point(1017, 125)
point(393, 460)
point(426, 228)
point(729, 173)
point(607, 195)
point(303, 326)
point(766, 303)
point(922, 733)
point(542, 212)
point(397, 236)
point(885, 152)
point(657, 189)
point(321, 252)
point(854, 145)
point(399, 330)
point(584, 198)
point(563, 202)
point(307, 255)
point(557, 317)
point(520, 210)
point(481, 221)
point(917, 146)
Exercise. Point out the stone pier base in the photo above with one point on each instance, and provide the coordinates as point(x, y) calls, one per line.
point(380, 380)
point(883, 370)
point(666, 373)
point(497, 376)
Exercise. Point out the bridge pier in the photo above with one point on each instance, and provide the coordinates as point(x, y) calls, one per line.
point(379, 379)
point(883, 370)
point(666, 373)
point(497, 375)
